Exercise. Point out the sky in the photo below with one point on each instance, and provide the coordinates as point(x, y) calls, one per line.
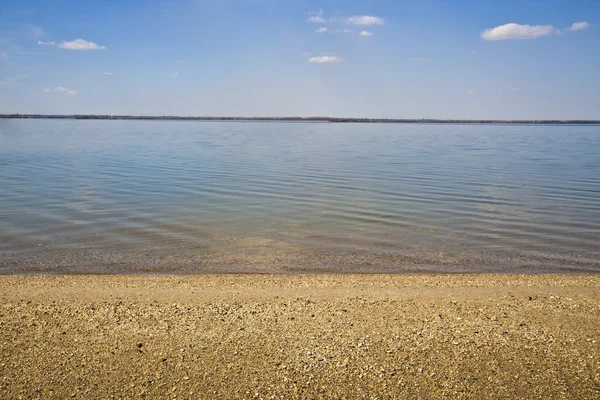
point(463, 59)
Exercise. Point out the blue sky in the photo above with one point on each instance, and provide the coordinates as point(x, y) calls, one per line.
point(397, 59)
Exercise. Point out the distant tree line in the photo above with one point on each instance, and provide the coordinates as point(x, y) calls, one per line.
point(302, 119)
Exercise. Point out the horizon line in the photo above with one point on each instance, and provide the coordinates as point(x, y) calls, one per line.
point(298, 119)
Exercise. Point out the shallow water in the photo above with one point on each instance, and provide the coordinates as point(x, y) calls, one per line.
point(189, 197)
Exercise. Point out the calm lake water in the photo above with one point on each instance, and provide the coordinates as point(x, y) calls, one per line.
point(203, 197)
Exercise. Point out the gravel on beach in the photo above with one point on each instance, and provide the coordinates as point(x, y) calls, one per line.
point(300, 336)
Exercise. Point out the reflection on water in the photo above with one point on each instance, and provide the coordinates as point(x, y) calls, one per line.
point(126, 196)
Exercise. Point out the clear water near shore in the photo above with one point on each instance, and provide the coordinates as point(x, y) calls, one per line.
point(174, 196)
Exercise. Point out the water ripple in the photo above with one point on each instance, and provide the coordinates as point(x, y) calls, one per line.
point(447, 195)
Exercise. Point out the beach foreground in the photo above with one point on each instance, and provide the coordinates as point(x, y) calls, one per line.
point(300, 336)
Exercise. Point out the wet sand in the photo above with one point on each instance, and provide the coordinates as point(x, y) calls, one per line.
point(300, 336)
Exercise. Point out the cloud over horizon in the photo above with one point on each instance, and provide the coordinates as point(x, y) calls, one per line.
point(321, 30)
point(61, 90)
point(77, 44)
point(366, 33)
point(80, 44)
point(365, 20)
point(579, 26)
point(317, 18)
point(516, 31)
point(324, 59)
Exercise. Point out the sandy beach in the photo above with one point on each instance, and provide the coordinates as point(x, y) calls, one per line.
point(300, 336)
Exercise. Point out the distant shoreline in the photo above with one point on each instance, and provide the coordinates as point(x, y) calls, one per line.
point(305, 119)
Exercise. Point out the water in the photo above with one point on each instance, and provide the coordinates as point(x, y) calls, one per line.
point(203, 197)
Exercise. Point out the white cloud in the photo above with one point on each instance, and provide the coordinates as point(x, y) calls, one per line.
point(321, 30)
point(3, 54)
point(61, 90)
point(366, 33)
point(472, 91)
point(516, 31)
point(342, 31)
point(80, 44)
point(364, 20)
point(317, 18)
point(324, 59)
point(579, 26)
point(173, 75)
point(46, 43)
point(108, 73)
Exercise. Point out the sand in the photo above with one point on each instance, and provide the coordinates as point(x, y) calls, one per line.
point(300, 336)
